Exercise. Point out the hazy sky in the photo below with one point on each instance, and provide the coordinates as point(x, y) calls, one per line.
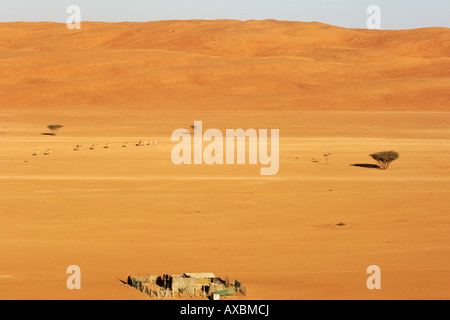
point(395, 14)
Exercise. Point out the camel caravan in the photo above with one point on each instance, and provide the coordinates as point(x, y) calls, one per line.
point(126, 144)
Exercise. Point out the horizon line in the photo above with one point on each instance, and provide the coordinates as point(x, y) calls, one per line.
point(225, 19)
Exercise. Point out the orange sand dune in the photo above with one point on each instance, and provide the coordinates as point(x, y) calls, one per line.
point(119, 210)
point(225, 64)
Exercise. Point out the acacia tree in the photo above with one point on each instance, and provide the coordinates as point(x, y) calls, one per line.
point(385, 158)
point(54, 128)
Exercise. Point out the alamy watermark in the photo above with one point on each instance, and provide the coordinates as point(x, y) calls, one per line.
point(374, 281)
point(74, 280)
point(191, 146)
point(374, 20)
point(74, 19)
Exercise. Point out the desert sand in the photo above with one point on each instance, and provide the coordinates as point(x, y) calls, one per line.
point(131, 210)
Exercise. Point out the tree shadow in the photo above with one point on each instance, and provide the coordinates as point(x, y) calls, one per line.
point(366, 165)
point(123, 282)
point(47, 134)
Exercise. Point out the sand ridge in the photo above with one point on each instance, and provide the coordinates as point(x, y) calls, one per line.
point(223, 64)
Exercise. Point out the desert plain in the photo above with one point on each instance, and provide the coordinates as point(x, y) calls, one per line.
point(117, 211)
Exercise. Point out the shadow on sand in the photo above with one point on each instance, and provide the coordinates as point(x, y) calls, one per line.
point(124, 282)
point(366, 165)
point(47, 134)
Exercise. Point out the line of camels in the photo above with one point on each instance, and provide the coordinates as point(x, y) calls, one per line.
point(126, 144)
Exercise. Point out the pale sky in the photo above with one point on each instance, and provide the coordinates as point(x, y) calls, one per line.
point(395, 14)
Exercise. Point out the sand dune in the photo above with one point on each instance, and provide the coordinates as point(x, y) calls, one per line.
point(225, 64)
point(119, 210)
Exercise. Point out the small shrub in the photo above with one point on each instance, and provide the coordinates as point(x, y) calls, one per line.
point(193, 128)
point(385, 158)
point(326, 155)
point(54, 128)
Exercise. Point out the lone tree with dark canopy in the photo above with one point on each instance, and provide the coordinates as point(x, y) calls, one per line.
point(385, 158)
point(54, 128)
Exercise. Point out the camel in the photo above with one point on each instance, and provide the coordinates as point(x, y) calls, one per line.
point(93, 147)
point(140, 143)
point(77, 148)
point(126, 144)
point(47, 152)
point(36, 153)
point(107, 146)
